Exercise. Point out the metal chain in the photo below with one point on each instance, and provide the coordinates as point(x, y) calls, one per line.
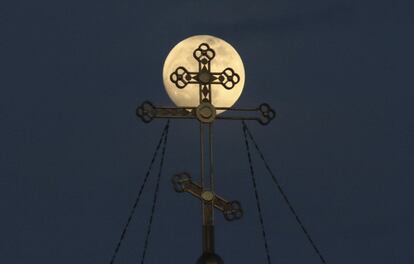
point(256, 193)
point(131, 214)
point(282, 192)
point(155, 199)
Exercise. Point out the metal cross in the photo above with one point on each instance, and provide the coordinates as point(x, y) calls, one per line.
point(206, 114)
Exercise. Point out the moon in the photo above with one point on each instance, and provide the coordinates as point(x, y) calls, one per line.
point(182, 56)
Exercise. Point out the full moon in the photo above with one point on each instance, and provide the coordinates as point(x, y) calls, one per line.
point(182, 56)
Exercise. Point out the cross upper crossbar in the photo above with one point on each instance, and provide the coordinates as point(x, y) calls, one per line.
point(205, 113)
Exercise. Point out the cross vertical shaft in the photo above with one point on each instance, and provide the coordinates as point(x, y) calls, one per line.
point(207, 184)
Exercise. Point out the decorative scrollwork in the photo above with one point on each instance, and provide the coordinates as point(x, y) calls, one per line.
point(204, 54)
point(228, 78)
point(180, 181)
point(180, 77)
point(233, 212)
point(268, 114)
point(146, 111)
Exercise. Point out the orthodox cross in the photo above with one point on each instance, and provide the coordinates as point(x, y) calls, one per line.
point(206, 114)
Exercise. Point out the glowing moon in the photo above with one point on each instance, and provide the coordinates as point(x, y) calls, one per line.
point(225, 57)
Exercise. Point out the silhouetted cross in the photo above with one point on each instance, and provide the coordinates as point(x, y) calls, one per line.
point(206, 114)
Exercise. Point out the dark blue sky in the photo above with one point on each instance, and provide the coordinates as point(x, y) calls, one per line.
point(339, 72)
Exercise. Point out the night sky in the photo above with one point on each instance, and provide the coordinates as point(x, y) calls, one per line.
point(73, 153)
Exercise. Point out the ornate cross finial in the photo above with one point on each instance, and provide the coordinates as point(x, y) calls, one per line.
point(204, 77)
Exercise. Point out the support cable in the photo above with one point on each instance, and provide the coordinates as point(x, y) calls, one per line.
point(282, 192)
point(256, 193)
point(141, 189)
point(155, 199)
